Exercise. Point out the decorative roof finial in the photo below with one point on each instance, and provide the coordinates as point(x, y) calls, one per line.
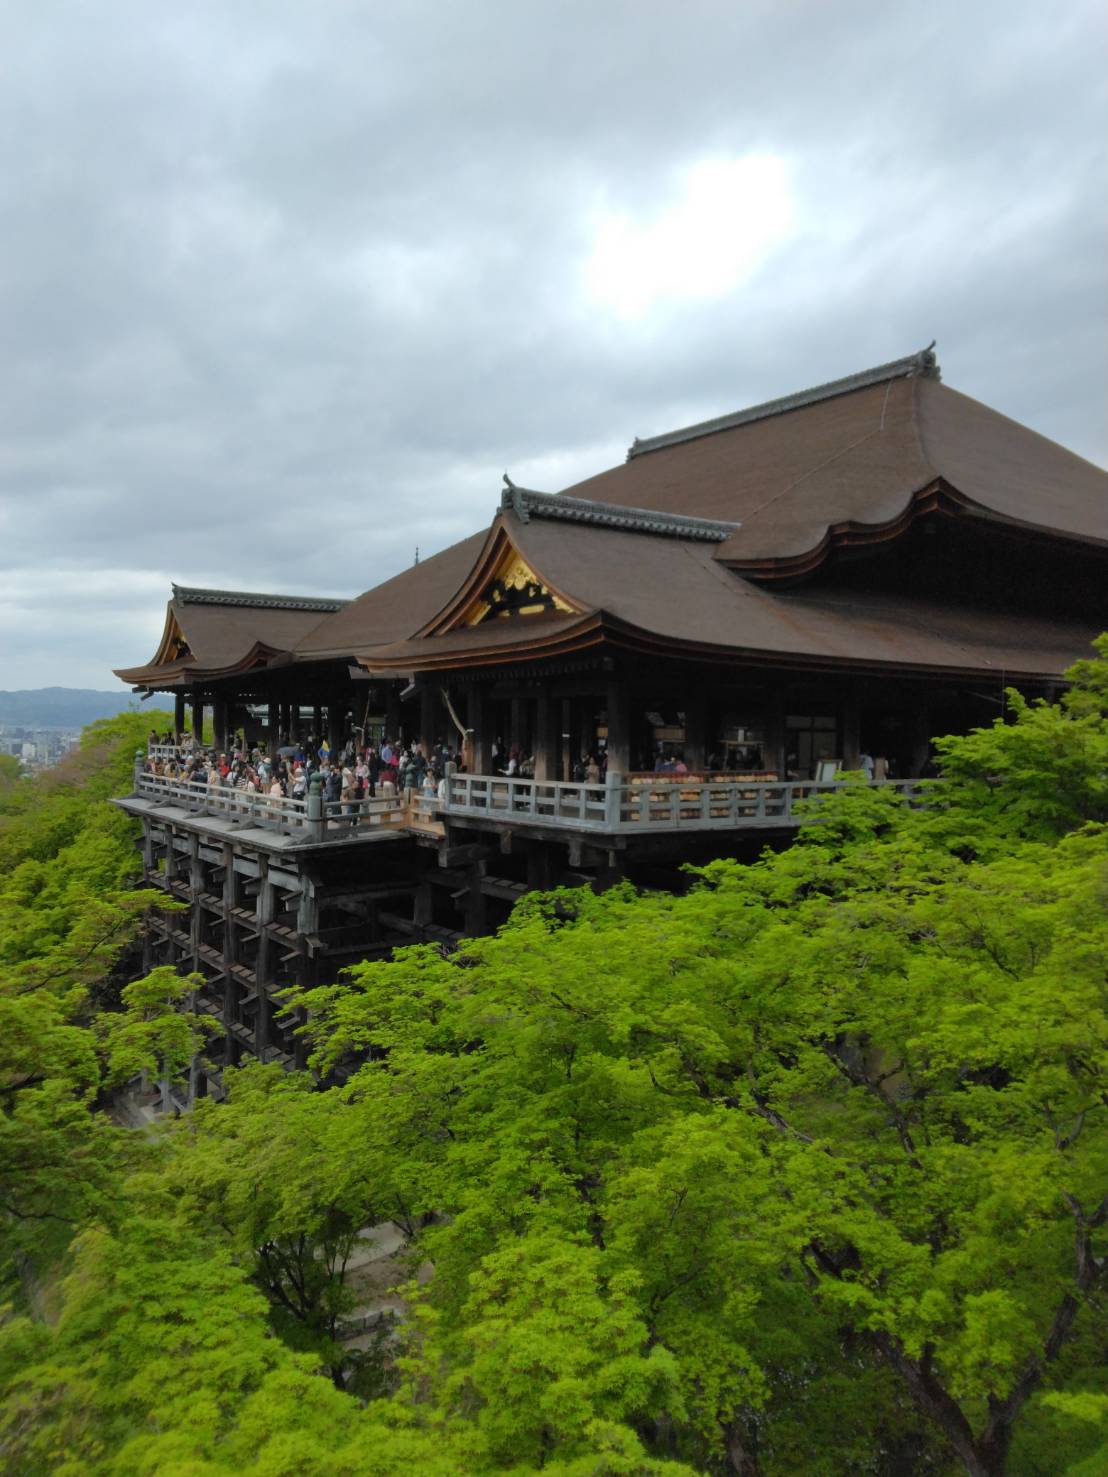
point(515, 498)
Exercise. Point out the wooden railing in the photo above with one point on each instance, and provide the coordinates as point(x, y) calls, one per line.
point(637, 803)
point(310, 818)
point(625, 805)
point(163, 752)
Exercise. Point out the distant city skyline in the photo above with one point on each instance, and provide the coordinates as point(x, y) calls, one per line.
point(285, 291)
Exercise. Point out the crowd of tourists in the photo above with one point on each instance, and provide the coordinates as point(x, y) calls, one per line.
point(352, 773)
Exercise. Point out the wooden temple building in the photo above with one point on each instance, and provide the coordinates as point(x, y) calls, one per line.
point(770, 595)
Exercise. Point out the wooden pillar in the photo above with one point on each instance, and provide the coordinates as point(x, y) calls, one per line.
point(392, 712)
point(850, 722)
point(696, 730)
point(273, 726)
point(197, 717)
point(230, 936)
point(220, 724)
point(918, 740)
point(478, 758)
point(565, 743)
point(336, 723)
point(774, 727)
point(317, 724)
point(294, 723)
point(540, 866)
point(171, 868)
point(517, 735)
point(619, 726)
point(546, 738)
point(307, 908)
point(475, 902)
point(263, 968)
point(196, 887)
point(429, 705)
point(423, 907)
point(178, 715)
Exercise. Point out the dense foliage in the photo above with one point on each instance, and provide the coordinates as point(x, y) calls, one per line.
point(805, 1171)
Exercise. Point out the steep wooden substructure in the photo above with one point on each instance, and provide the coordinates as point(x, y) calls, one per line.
point(258, 920)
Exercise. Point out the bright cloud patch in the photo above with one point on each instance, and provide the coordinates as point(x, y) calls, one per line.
point(730, 215)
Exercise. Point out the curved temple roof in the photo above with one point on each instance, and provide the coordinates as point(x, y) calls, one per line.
point(211, 633)
point(696, 545)
point(677, 547)
point(670, 595)
point(852, 461)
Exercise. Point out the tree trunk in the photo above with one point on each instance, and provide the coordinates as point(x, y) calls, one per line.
point(742, 1457)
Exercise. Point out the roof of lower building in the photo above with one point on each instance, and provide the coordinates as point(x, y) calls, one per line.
point(215, 633)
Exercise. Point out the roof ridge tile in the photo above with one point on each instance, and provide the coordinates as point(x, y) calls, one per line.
point(192, 595)
point(527, 504)
point(923, 365)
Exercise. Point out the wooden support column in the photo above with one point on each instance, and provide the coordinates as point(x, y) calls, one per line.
point(294, 723)
point(317, 725)
point(197, 717)
point(178, 715)
point(336, 723)
point(517, 735)
point(696, 730)
point(423, 906)
point(392, 712)
point(565, 740)
point(220, 724)
point(774, 724)
point(196, 887)
point(850, 721)
point(230, 936)
point(475, 902)
point(546, 738)
point(540, 866)
point(479, 756)
point(263, 968)
point(273, 726)
point(918, 739)
point(307, 926)
point(171, 868)
point(429, 705)
point(619, 727)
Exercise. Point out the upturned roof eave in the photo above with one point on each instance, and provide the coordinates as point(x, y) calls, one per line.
point(937, 494)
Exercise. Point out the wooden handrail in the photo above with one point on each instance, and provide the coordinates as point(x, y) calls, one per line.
point(647, 803)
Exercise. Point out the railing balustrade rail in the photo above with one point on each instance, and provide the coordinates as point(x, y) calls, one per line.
point(161, 753)
point(636, 803)
point(312, 818)
point(622, 805)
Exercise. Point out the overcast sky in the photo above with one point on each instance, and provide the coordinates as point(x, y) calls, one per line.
point(284, 288)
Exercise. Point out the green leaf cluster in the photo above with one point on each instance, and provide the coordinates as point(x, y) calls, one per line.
point(803, 1171)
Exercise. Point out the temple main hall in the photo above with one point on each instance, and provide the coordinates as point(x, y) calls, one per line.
point(741, 610)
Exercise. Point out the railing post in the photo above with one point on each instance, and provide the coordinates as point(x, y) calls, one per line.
point(613, 793)
point(314, 808)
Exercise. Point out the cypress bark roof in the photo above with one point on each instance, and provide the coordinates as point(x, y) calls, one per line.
point(211, 633)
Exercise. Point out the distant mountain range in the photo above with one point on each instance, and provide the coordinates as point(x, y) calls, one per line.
point(61, 707)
